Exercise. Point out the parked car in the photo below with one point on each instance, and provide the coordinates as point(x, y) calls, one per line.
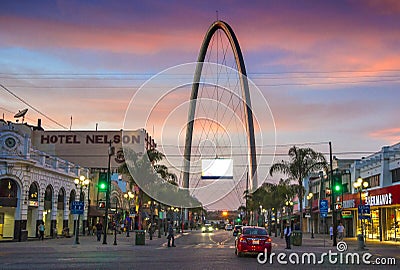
point(228, 227)
point(207, 228)
point(253, 240)
point(236, 230)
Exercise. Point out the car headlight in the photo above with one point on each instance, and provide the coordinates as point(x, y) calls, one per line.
point(210, 229)
point(203, 228)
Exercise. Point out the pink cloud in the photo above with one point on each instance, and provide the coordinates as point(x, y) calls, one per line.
point(21, 32)
point(392, 135)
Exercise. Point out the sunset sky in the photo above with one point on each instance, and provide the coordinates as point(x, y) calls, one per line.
point(330, 70)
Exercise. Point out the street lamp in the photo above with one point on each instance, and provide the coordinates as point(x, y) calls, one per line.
point(309, 197)
point(115, 221)
point(129, 196)
point(359, 185)
point(176, 210)
point(81, 183)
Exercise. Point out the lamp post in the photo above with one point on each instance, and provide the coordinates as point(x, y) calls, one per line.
point(359, 185)
point(176, 210)
point(115, 222)
point(81, 183)
point(159, 220)
point(129, 196)
point(289, 206)
point(151, 219)
point(309, 198)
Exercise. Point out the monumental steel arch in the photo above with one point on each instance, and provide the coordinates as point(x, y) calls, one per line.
point(245, 97)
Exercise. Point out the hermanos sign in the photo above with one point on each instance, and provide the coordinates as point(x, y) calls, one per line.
point(381, 199)
point(89, 148)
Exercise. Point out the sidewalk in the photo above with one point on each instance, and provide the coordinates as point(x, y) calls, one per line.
point(317, 244)
point(89, 242)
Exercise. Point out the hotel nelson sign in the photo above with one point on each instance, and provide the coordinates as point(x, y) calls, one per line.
point(88, 148)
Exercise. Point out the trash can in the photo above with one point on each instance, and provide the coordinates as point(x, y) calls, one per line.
point(140, 237)
point(297, 237)
point(23, 236)
point(360, 241)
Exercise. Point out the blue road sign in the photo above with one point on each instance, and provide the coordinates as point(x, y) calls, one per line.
point(77, 207)
point(364, 210)
point(323, 208)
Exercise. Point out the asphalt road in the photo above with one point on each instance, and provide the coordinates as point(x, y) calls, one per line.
point(194, 250)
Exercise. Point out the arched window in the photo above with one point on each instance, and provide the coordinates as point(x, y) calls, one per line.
point(48, 197)
point(33, 196)
point(60, 200)
point(8, 193)
point(72, 197)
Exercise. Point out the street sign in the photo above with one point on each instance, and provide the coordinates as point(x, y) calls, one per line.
point(364, 217)
point(364, 210)
point(323, 208)
point(77, 207)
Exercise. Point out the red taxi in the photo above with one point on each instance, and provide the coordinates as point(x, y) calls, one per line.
point(253, 240)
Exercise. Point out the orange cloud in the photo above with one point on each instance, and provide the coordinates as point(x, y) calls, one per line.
point(392, 135)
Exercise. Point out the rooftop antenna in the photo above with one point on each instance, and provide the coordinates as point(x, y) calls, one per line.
point(216, 14)
point(21, 114)
point(70, 125)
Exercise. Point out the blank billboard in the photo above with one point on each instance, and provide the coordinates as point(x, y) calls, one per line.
point(220, 168)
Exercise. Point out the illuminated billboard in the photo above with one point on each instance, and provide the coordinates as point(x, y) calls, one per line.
point(220, 168)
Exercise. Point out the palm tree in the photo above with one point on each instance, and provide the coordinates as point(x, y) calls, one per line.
point(302, 162)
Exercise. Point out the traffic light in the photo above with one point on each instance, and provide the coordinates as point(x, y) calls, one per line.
point(338, 206)
point(337, 184)
point(102, 185)
point(328, 192)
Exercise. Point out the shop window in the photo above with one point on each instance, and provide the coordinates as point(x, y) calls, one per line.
point(393, 219)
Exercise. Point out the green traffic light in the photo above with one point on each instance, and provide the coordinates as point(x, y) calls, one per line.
point(337, 188)
point(102, 186)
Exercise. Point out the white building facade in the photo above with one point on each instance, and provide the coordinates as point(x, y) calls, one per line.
point(34, 187)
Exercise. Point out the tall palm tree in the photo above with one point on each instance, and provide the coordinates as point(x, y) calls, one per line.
point(302, 162)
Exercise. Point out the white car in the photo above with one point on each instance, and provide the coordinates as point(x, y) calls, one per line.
point(207, 228)
point(228, 227)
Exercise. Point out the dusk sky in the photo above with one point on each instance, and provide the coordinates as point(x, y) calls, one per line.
point(330, 70)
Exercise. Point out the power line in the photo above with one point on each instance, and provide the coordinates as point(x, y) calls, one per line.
point(30, 106)
point(161, 87)
point(165, 74)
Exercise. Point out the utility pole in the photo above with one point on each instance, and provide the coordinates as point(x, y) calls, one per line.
point(110, 153)
point(334, 218)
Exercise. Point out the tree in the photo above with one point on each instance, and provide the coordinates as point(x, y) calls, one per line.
point(302, 162)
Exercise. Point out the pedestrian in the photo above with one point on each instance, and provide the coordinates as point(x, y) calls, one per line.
point(340, 230)
point(331, 231)
point(41, 230)
point(99, 230)
point(287, 232)
point(171, 235)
